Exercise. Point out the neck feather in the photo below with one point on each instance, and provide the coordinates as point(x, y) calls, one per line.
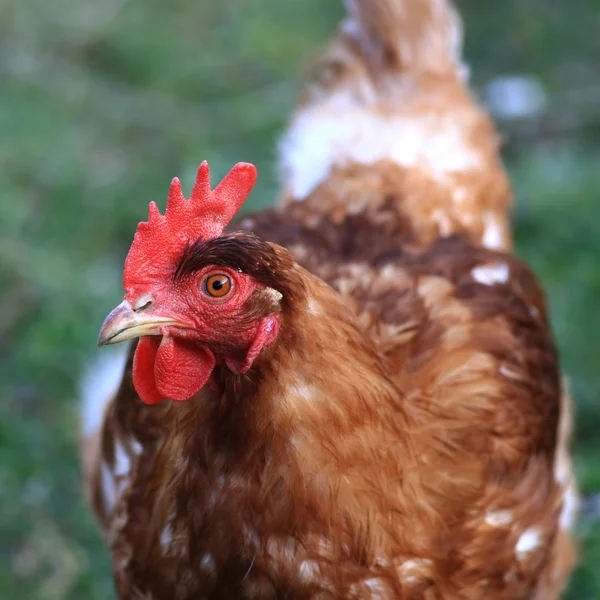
point(282, 445)
point(321, 382)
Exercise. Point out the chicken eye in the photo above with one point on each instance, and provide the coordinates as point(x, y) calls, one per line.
point(216, 286)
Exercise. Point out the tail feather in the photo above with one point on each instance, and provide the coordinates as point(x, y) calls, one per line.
point(409, 35)
point(390, 113)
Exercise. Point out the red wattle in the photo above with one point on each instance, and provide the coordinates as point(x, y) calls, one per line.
point(143, 370)
point(182, 368)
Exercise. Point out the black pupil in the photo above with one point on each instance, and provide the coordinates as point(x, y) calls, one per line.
point(218, 284)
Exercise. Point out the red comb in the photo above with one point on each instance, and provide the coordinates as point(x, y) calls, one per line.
point(158, 243)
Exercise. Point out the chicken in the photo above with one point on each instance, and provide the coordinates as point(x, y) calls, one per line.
point(352, 395)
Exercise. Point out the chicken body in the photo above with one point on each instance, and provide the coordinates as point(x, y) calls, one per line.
point(407, 434)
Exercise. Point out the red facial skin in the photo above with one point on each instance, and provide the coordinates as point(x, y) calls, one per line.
point(178, 364)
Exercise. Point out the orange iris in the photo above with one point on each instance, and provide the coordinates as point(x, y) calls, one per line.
point(217, 286)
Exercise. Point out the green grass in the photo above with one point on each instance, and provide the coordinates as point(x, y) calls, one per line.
point(102, 103)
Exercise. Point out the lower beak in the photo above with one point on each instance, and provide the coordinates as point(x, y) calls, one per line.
point(124, 323)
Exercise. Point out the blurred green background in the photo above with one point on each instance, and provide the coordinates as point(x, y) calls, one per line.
point(102, 103)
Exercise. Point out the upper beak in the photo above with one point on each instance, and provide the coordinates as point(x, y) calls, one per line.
point(124, 323)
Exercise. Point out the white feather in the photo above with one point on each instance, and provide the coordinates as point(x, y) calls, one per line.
point(337, 132)
point(98, 386)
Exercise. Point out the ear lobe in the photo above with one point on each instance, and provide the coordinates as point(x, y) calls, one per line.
point(267, 331)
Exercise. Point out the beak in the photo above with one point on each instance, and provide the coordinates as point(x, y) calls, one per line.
point(124, 323)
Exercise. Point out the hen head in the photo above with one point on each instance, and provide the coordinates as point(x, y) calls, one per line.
point(196, 297)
